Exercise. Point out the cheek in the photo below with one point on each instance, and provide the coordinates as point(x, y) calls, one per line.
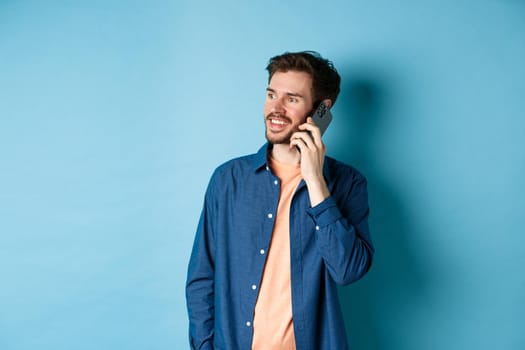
point(298, 114)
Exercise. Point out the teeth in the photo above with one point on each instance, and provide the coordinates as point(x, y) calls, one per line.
point(280, 122)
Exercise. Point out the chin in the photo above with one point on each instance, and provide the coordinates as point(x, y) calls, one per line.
point(278, 139)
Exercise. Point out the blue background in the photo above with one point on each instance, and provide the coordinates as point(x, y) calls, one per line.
point(115, 113)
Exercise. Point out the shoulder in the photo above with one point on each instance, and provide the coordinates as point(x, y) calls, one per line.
point(243, 165)
point(347, 185)
point(236, 168)
point(239, 164)
point(336, 170)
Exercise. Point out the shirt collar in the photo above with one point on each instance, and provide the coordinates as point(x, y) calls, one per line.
point(260, 161)
point(261, 158)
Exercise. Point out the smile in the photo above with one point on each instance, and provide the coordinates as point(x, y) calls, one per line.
point(277, 121)
point(277, 124)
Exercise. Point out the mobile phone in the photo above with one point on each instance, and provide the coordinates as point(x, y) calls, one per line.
point(322, 117)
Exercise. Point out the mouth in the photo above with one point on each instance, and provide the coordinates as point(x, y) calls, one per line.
point(277, 123)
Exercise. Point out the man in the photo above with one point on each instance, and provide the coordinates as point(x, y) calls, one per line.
point(280, 229)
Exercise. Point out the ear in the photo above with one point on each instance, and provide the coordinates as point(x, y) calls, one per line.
point(328, 103)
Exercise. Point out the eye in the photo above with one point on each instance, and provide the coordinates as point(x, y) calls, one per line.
point(270, 95)
point(293, 99)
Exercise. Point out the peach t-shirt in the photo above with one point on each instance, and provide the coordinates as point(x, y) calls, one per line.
point(273, 322)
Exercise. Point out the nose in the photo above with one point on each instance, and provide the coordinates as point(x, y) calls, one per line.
point(277, 106)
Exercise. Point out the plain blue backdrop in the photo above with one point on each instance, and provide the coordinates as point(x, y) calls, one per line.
point(113, 114)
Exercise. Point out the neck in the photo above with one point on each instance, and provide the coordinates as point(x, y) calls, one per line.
point(284, 154)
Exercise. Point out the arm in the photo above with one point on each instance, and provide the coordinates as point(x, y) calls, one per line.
point(342, 232)
point(200, 281)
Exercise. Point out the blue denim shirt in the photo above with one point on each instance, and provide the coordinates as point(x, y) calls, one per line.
point(329, 245)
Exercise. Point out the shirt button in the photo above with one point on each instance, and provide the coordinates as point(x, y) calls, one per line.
point(248, 324)
point(261, 251)
point(270, 216)
point(254, 287)
point(317, 228)
point(276, 182)
point(267, 168)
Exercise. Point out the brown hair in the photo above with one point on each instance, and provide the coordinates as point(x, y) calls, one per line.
point(325, 79)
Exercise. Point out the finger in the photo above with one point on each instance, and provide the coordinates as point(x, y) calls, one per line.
point(314, 131)
point(309, 122)
point(299, 144)
point(306, 137)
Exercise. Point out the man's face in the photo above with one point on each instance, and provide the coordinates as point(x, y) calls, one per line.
point(289, 99)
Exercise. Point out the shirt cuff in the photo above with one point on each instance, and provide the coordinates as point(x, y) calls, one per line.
point(325, 213)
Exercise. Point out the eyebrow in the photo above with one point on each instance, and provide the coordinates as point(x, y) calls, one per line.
point(293, 94)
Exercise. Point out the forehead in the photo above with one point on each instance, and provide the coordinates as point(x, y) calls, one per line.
point(292, 82)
